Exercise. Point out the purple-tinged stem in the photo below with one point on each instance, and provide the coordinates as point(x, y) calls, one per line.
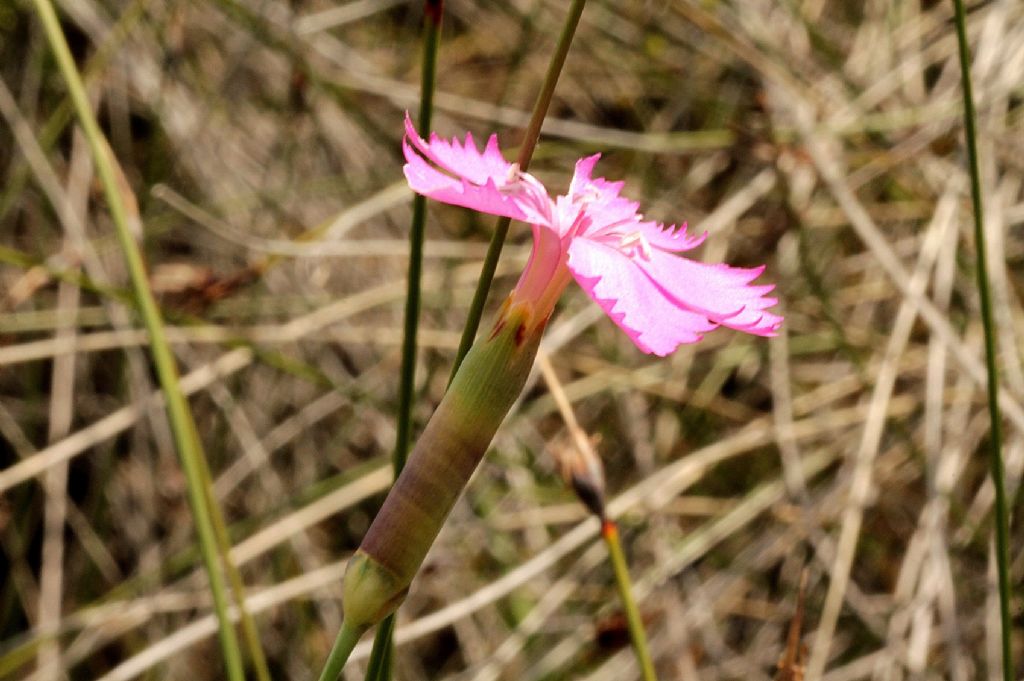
point(435, 474)
point(379, 667)
point(451, 447)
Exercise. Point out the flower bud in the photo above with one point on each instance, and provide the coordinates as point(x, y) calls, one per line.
point(445, 456)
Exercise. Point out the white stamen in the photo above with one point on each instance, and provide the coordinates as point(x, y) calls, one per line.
point(589, 194)
point(636, 239)
point(524, 188)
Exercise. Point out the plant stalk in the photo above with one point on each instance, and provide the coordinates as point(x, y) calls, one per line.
point(637, 635)
point(988, 322)
point(381, 655)
point(379, 667)
point(347, 639)
point(237, 586)
point(540, 110)
point(178, 412)
point(582, 470)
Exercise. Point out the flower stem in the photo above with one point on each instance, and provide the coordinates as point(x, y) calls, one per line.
point(347, 639)
point(610, 534)
point(381, 655)
point(540, 109)
point(582, 470)
point(178, 412)
point(379, 667)
point(995, 427)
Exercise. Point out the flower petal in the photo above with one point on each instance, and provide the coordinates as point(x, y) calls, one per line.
point(458, 173)
point(601, 198)
point(612, 214)
point(581, 177)
point(461, 159)
point(722, 293)
point(432, 183)
point(655, 323)
point(671, 238)
point(477, 181)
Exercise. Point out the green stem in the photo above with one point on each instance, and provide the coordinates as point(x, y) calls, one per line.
point(220, 530)
point(610, 534)
point(431, 40)
point(379, 668)
point(996, 437)
point(177, 408)
point(382, 655)
point(347, 639)
point(407, 380)
point(540, 109)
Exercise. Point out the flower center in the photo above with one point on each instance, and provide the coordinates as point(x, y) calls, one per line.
point(635, 243)
point(530, 194)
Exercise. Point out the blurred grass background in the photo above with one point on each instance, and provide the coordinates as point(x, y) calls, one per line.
point(261, 143)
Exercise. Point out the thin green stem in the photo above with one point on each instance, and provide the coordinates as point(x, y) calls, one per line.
point(347, 639)
point(610, 534)
point(431, 40)
point(407, 379)
point(984, 293)
point(177, 408)
point(379, 668)
point(382, 655)
point(220, 530)
point(540, 109)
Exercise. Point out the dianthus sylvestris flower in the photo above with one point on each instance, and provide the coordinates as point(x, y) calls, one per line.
point(626, 264)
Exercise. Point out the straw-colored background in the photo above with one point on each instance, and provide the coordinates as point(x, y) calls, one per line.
point(821, 138)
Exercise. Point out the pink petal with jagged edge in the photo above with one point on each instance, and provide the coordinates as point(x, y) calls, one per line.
point(583, 183)
point(610, 212)
point(586, 189)
point(672, 238)
point(655, 323)
point(458, 173)
point(722, 293)
point(581, 175)
point(599, 197)
point(462, 159)
point(487, 197)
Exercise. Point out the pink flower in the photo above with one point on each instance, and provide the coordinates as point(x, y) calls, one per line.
point(594, 235)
